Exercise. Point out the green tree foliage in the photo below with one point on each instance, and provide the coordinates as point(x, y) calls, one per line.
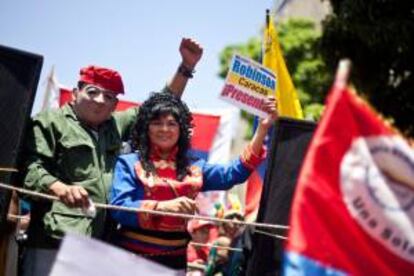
point(378, 37)
point(299, 40)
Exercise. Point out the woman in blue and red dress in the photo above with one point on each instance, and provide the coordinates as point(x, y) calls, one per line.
point(160, 175)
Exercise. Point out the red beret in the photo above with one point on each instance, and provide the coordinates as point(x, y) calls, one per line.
point(103, 77)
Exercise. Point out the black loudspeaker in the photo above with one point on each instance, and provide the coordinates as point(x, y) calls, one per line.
point(290, 142)
point(19, 76)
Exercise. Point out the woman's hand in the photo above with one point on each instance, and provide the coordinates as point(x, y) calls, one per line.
point(270, 107)
point(181, 204)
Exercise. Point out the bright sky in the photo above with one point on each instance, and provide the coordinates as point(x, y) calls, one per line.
point(140, 39)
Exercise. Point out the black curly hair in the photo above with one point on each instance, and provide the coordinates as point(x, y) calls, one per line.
point(157, 105)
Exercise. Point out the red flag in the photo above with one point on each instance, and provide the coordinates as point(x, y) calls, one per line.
point(205, 129)
point(254, 189)
point(65, 96)
point(353, 209)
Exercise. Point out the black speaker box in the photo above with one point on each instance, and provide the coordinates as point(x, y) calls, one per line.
point(19, 76)
point(290, 141)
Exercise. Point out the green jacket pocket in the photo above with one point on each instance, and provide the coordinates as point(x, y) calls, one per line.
point(77, 160)
point(62, 219)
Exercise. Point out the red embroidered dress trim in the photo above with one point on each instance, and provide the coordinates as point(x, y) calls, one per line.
point(165, 186)
point(250, 159)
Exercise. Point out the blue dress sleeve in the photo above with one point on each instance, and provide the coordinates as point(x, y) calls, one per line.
point(126, 191)
point(223, 177)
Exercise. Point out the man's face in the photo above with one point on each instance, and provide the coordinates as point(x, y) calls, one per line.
point(94, 105)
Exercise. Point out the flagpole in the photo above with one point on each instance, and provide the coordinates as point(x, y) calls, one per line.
point(267, 18)
point(342, 73)
point(48, 90)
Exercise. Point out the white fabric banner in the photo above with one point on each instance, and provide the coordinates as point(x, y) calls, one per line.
point(220, 153)
point(80, 255)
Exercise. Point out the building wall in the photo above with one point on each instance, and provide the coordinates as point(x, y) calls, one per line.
point(313, 9)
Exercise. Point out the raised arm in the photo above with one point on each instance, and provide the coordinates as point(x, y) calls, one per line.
point(191, 53)
point(256, 143)
point(219, 177)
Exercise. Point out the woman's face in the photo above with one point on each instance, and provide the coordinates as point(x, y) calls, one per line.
point(164, 132)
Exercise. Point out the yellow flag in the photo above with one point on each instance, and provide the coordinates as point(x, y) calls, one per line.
point(287, 98)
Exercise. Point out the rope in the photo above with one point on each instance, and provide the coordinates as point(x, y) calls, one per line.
point(152, 212)
point(28, 192)
point(217, 246)
point(18, 217)
point(2, 169)
point(196, 266)
point(271, 235)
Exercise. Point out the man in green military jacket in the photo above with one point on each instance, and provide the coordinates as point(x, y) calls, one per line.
point(71, 153)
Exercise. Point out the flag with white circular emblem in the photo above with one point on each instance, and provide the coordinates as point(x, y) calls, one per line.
point(353, 209)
